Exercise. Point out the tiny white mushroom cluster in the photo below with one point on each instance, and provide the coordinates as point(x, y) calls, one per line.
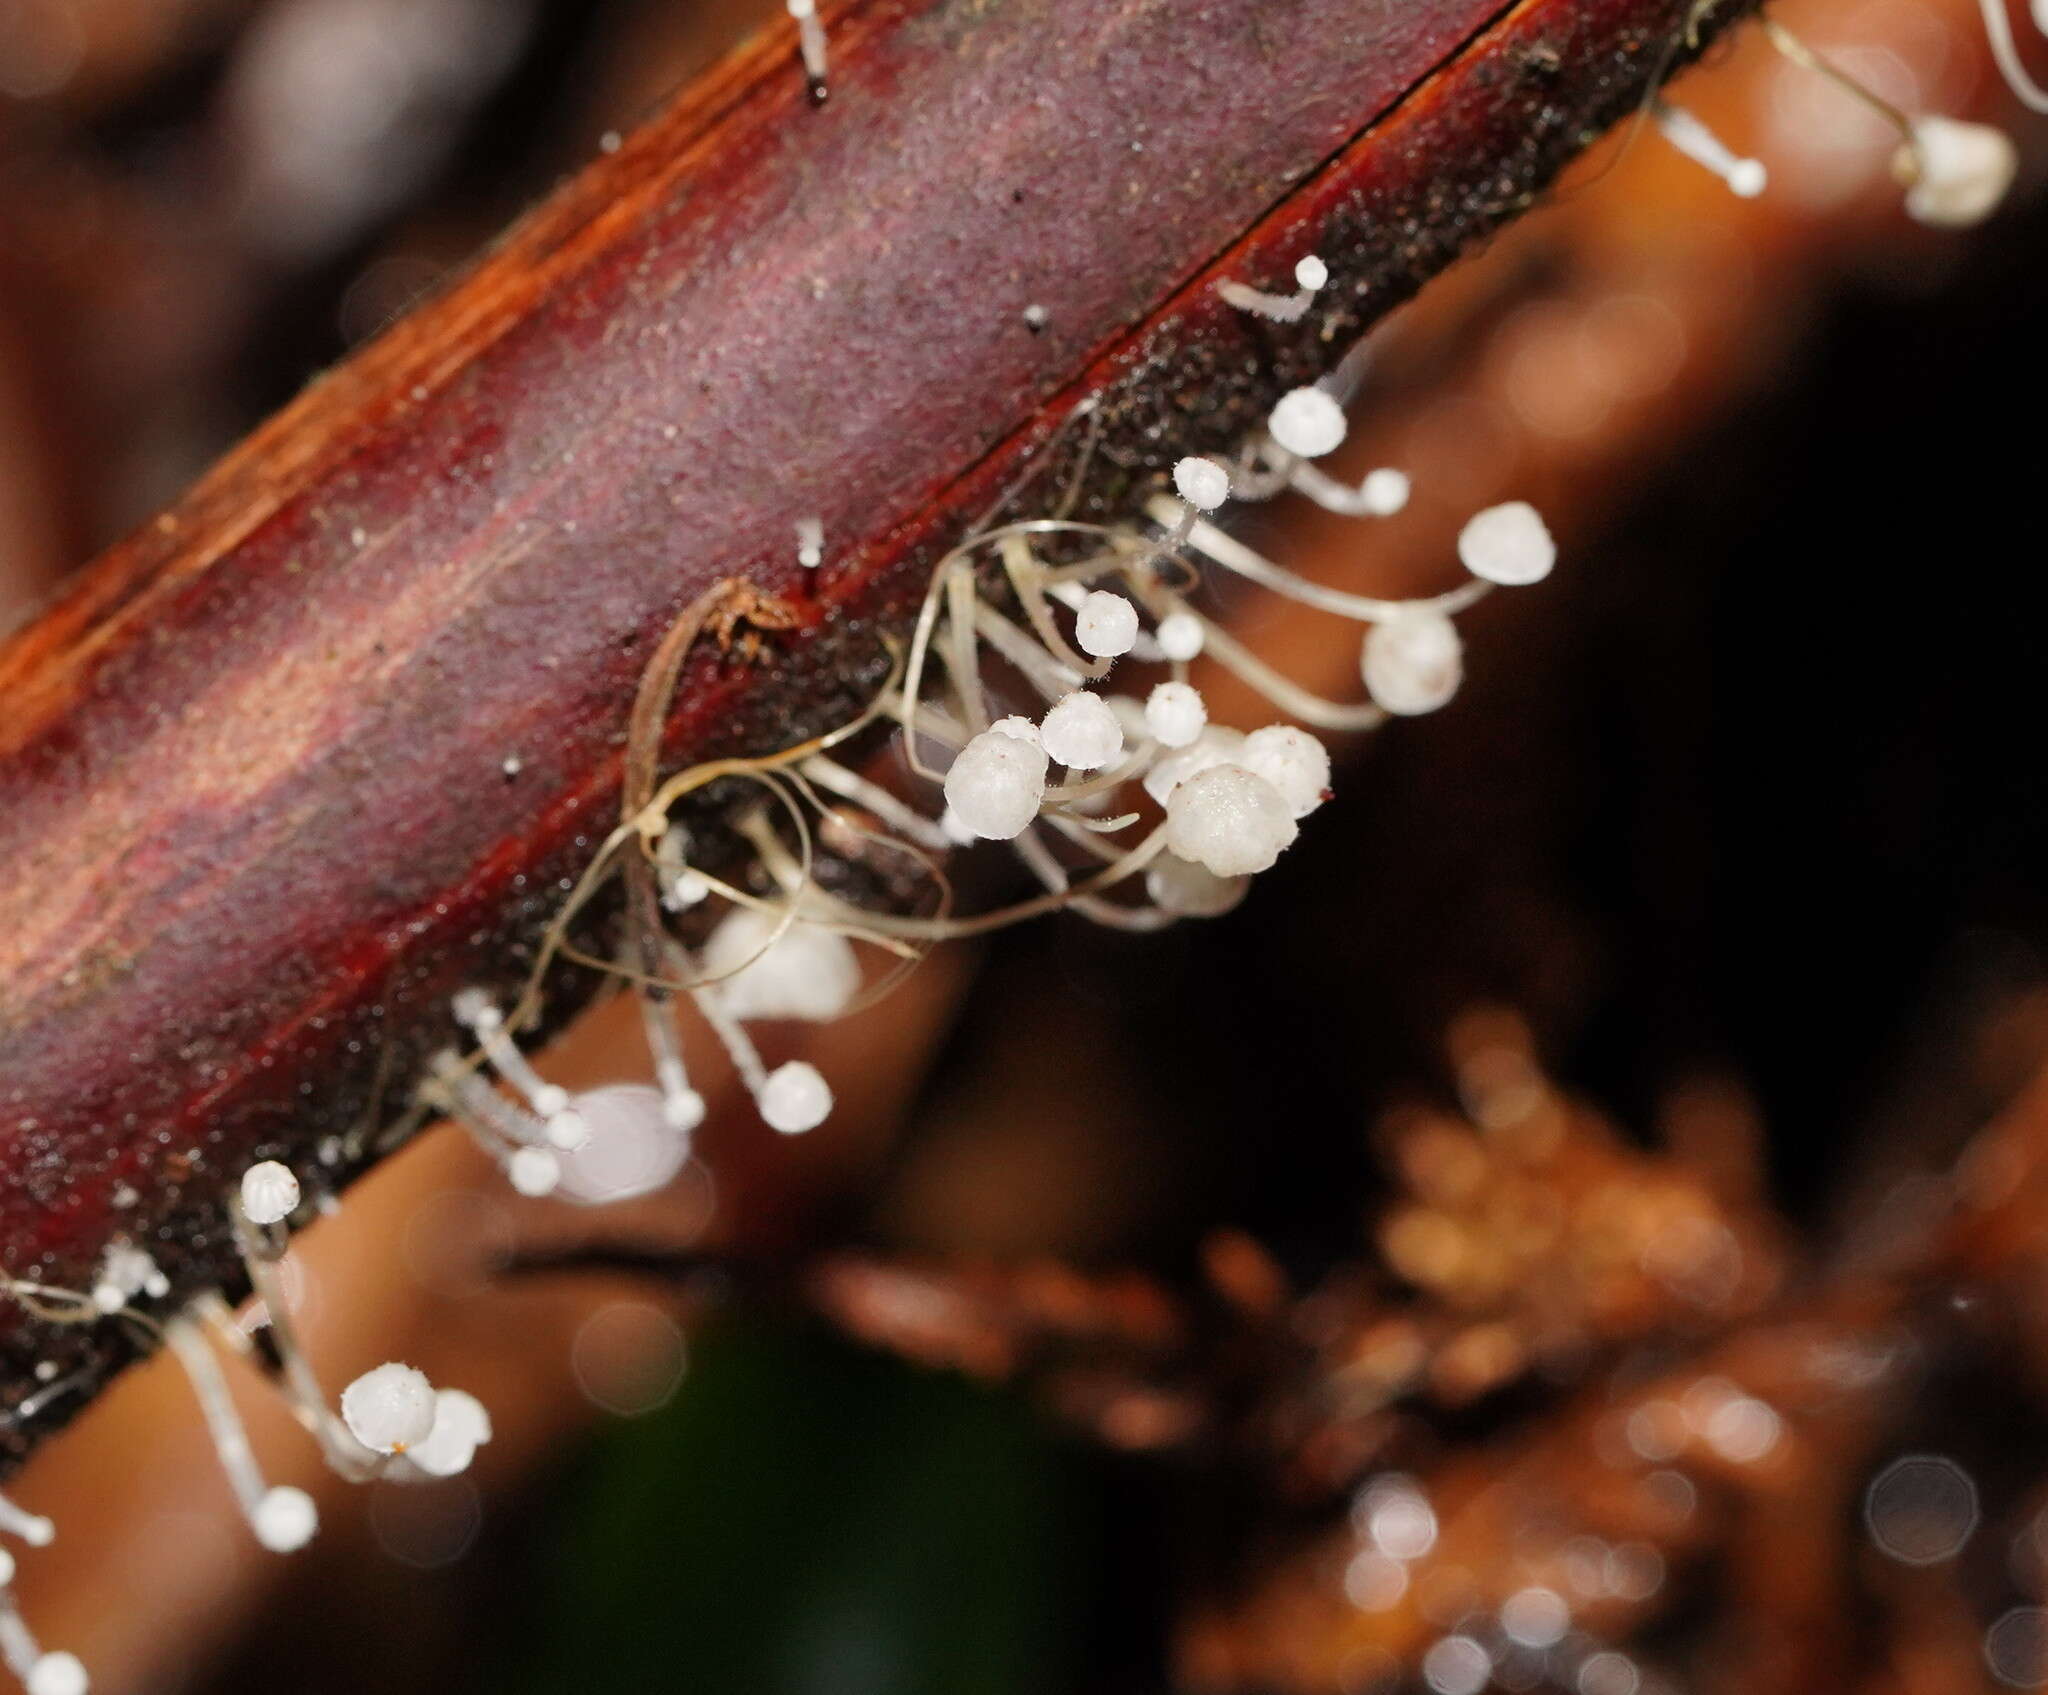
point(1005, 705)
point(1128, 806)
point(392, 1422)
point(1097, 793)
point(1053, 784)
point(127, 1271)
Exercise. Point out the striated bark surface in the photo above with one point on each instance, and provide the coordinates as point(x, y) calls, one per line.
point(316, 748)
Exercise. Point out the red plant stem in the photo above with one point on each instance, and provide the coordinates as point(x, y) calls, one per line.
point(317, 747)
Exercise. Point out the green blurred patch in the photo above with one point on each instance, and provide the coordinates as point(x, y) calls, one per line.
point(804, 1519)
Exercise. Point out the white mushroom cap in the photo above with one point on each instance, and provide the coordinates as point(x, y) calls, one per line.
point(1956, 173)
point(1413, 661)
point(1217, 745)
point(1189, 890)
point(567, 1128)
point(1311, 273)
point(1106, 625)
point(1175, 714)
point(1308, 422)
point(1747, 178)
point(634, 1147)
point(1130, 715)
point(1293, 761)
point(1081, 732)
point(1202, 483)
point(996, 785)
point(1507, 544)
point(795, 1098)
point(533, 1171)
point(1180, 636)
point(1384, 491)
point(1229, 821)
point(270, 1193)
point(34, 1529)
point(806, 972)
point(682, 1109)
point(461, 1426)
point(389, 1408)
point(57, 1674)
point(285, 1519)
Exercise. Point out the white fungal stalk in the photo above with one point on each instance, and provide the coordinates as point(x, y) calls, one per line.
point(1311, 276)
point(517, 1139)
point(32, 1528)
point(1998, 26)
point(681, 887)
point(810, 36)
point(40, 1673)
point(283, 1519)
point(810, 543)
point(1380, 494)
point(1746, 178)
point(474, 1010)
point(682, 1107)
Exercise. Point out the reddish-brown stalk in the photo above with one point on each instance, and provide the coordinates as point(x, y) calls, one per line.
point(317, 747)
